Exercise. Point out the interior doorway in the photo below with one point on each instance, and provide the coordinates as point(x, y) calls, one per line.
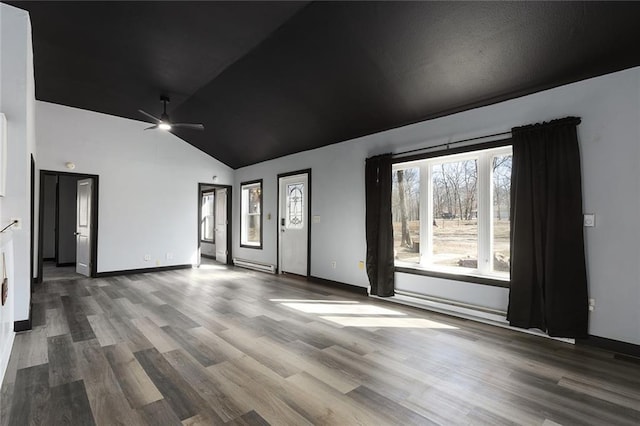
point(294, 229)
point(68, 225)
point(214, 224)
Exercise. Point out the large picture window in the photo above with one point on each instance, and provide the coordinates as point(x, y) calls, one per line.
point(451, 213)
point(207, 224)
point(251, 218)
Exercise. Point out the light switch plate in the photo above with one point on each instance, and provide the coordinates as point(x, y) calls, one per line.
point(316, 219)
point(589, 220)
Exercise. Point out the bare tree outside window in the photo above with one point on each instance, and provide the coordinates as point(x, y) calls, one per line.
point(406, 214)
point(455, 213)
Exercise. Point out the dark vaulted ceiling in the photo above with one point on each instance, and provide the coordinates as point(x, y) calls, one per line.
point(273, 78)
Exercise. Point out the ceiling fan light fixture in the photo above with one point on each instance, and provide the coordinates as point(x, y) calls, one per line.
point(164, 123)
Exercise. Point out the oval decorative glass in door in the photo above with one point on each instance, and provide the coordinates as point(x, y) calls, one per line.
point(295, 201)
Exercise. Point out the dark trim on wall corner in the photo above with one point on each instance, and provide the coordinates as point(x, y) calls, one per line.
point(611, 345)
point(337, 284)
point(453, 277)
point(142, 270)
point(32, 232)
point(24, 325)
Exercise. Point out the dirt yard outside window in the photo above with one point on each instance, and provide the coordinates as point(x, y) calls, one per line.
point(455, 243)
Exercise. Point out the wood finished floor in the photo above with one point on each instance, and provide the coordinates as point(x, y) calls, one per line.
point(229, 346)
point(51, 272)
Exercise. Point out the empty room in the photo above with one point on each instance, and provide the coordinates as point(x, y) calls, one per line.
point(323, 213)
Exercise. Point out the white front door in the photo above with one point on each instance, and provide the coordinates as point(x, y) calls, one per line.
point(83, 226)
point(293, 223)
point(221, 225)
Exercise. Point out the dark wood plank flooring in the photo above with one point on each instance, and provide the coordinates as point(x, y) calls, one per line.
point(228, 346)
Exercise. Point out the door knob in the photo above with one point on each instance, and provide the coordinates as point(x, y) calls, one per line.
point(282, 230)
point(76, 233)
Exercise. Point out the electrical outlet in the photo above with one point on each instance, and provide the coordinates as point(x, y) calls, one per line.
point(361, 265)
point(169, 256)
point(589, 220)
point(18, 224)
point(592, 304)
point(333, 264)
point(147, 257)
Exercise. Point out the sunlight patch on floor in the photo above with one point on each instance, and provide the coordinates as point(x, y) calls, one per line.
point(210, 267)
point(377, 322)
point(341, 309)
point(312, 301)
point(348, 313)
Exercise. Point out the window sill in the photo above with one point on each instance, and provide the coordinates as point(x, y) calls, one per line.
point(257, 246)
point(474, 279)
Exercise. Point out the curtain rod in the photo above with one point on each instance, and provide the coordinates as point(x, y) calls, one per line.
point(447, 145)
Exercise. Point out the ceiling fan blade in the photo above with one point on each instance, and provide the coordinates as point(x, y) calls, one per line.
point(152, 127)
point(189, 126)
point(149, 116)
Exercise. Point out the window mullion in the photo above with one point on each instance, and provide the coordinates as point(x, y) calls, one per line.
point(484, 214)
point(426, 215)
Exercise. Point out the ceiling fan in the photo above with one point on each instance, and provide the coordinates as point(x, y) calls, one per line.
point(164, 123)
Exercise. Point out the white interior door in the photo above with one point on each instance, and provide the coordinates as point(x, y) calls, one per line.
point(293, 223)
point(221, 225)
point(83, 226)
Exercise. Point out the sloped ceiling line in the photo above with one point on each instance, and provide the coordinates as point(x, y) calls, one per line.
point(270, 79)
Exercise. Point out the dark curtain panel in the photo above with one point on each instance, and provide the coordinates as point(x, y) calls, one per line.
point(378, 225)
point(548, 272)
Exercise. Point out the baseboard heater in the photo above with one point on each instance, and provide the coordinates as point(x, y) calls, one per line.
point(257, 266)
point(465, 310)
point(452, 303)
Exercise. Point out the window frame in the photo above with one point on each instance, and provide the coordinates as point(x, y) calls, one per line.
point(243, 220)
point(213, 216)
point(425, 162)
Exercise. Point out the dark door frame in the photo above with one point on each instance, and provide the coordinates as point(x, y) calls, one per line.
point(33, 225)
point(309, 221)
point(201, 189)
point(94, 218)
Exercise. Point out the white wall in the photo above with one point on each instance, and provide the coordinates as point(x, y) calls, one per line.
point(17, 103)
point(610, 147)
point(148, 183)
